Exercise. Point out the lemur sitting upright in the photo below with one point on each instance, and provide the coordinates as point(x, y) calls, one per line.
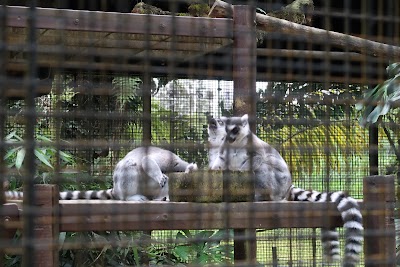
point(242, 150)
point(140, 175)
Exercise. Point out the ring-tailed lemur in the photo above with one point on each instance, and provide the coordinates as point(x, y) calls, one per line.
point(139, 176)
point(241, 150)
point(216, 137)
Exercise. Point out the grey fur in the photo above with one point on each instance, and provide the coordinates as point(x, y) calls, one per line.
point(216, 134)
point(139, 176)
point(241, 150)
point(244, 151)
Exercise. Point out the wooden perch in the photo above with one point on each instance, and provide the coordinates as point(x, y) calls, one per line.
point(352, 43)
point(207, 186)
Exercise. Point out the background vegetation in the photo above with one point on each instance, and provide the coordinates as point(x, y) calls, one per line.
point(314, 126)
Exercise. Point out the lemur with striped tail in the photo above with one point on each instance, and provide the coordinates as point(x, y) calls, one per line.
point(241, 150)
point(139, 176)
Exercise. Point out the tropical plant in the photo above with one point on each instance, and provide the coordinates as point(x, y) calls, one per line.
point(45, 154)
point(381, 103)
point(127, 91)
point(203, 247)
point(378, 101)
point(311, 125)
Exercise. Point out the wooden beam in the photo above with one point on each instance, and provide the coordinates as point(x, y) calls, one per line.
point(78, 215)
point(18, 87)
point(348, 42)
point(96, 21)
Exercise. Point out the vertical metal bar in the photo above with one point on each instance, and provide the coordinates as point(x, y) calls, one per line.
point(244, 95)
point(3, 77)
point(146, 96)
point(373, 150)
point(368, 9)
point(146, 119)
point(29, 162)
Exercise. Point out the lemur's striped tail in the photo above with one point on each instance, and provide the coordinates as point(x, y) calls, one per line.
point(352, 219)
point(13, 195)
point(91, 194)
point(68, 195)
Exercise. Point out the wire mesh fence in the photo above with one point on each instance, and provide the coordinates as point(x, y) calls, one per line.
point(95, 95)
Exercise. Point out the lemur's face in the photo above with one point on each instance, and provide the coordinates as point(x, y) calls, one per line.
point(216, 129)
point(236, 128)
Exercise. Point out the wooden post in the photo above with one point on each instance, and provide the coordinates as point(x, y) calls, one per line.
point(379, 233)
point(46, 229)
point(244, 102)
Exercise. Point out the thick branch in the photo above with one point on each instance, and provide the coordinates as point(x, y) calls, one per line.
point(352, 43)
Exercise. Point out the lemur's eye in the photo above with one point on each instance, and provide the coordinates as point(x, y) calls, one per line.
point(235, 130)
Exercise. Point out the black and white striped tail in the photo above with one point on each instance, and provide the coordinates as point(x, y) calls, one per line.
point(91, 194)
point(13, 195)
point(68, 195)
point(352, 219)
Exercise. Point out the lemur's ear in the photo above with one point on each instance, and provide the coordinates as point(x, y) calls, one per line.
point(245, 119)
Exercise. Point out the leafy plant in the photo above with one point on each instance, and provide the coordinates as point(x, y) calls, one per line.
point(379, 100)
point(99, 251)
point(203, 247)
point(45, 155)
point(126, 91)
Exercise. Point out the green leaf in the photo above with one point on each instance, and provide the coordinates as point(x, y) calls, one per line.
point(374, 115)
point(20, 158)
point(43, 158)
point(136, 256)
point(43, 138)
point(180, 235)
point(182, 252)
point(359, 106)
point(393, 87)
point(67, 158)
point(203, 259)
point(204, 234)
point(223, 234)
point(11, 152)
point(10, 136)
point(393, 69)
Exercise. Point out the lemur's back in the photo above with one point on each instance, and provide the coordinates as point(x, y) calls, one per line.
point(165, 159)
point(140, 175)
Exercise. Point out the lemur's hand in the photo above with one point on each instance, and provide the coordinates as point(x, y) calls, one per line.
point(191, 167)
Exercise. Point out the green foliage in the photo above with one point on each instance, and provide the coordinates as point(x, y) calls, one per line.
point(127, 92)
point(133, 247)
point(311, 126)
point(306, 148)
point(379, 100)
point(99, 251)
point(169, 127)
point(45, 154)
point(204, 247)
